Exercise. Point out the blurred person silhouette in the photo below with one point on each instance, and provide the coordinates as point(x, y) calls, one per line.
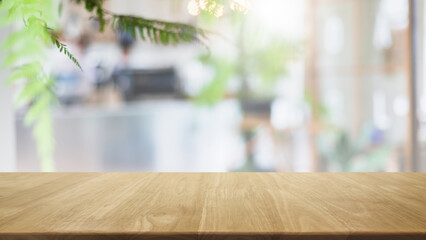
point(122, 75)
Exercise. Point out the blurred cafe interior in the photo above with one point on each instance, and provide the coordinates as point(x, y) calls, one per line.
point(277, 85)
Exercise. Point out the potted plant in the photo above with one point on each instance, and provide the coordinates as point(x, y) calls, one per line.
point(259, 61)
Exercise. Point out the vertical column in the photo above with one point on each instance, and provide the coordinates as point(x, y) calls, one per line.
point(411, 50)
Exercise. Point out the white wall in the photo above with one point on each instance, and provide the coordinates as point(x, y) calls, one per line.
point(7, 119)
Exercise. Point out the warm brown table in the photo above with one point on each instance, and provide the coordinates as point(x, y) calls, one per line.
point(311, 206)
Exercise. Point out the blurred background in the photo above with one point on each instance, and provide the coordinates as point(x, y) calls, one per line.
point(307, 85)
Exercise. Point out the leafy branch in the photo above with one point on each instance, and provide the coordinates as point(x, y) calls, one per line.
point(159, 31)
point(63, 49)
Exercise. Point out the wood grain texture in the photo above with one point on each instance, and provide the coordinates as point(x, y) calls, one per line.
point(291, 206)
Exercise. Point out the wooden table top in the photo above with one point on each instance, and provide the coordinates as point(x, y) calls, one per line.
point(309, 206)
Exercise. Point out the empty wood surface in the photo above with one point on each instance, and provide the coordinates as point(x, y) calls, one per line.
point(309, 206)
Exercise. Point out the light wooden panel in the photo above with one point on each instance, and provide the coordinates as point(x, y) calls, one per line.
point(212, 206)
